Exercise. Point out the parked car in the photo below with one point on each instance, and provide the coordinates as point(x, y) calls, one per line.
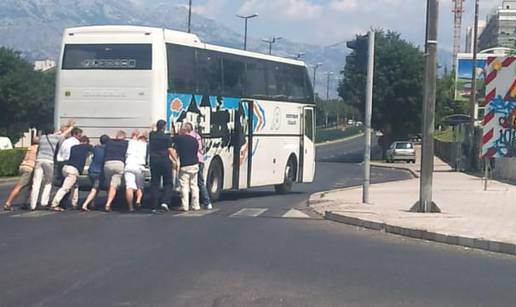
point(401, 151)
point(5, 143)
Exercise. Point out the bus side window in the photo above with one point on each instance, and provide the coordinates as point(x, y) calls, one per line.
point(181, 75)
point(233, 68)
point(256, 79)
point(209, 73)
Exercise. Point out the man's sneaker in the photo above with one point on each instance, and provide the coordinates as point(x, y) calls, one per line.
point(208, 206)
point(154, 211)
point(164, 207)
point(196, 208)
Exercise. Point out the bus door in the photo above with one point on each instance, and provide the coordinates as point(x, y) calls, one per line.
point(308, 145)
point(242, 141)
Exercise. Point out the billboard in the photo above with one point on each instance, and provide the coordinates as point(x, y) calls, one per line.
point(499, 124)
point(464, 76)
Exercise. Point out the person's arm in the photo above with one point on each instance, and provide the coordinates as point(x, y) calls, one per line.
point(172, 154)
point(68, 128)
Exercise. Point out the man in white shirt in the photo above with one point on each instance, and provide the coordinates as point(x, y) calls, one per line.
point(63, 154)
point(134, 165)
point(62, 157)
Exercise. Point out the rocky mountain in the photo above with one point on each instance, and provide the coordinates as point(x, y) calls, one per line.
point(35, 27)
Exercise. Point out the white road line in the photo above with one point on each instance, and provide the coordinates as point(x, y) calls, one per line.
point(249, 212)
point(296, 214)
point(197, 213)
point(134, 215)
point(33, 214)
point(4, 212)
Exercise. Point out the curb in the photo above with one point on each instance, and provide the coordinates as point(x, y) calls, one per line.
point(477, 243)
point(408, 169)
point(8, 180)
point(339, 140)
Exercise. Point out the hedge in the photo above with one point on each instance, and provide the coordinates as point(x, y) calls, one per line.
point(10, 160)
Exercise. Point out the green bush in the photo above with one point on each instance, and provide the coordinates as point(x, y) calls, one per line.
point(325, 135)
point(10, 161)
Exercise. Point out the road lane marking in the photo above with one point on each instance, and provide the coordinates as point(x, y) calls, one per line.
point(296, 214)
point(249, 212)
point(34, 214)
point(197, 213)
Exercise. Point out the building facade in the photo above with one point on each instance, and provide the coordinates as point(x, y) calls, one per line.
point(500, 30)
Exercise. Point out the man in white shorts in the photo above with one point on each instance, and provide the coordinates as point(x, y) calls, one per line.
point(134, 167)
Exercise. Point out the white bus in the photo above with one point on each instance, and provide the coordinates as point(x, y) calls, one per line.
point(255, 112)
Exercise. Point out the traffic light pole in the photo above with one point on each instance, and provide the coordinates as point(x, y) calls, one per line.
point(368, 113)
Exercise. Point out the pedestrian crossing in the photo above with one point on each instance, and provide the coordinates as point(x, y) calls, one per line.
point(233, 213)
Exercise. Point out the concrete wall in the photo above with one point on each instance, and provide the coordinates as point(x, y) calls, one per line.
point(505, 169)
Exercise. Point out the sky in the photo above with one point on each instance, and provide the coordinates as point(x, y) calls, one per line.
point(324, 22)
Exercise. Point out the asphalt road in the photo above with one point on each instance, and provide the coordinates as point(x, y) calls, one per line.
point(256, 249)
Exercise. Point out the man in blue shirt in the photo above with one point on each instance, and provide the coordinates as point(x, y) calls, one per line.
point(96, 171)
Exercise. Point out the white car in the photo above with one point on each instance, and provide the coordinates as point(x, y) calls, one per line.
point(401, 151)
point(5, 143)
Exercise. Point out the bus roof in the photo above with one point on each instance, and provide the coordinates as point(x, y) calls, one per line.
point(172, 36)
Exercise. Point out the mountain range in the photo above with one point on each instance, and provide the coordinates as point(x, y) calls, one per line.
point(35, 27)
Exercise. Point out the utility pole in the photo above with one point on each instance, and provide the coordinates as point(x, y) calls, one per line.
point(473, 97)
point(271, 41)
point(368, 113)
point(246, 18)
point(425, 203)
point(328, 74)
point(190, 16)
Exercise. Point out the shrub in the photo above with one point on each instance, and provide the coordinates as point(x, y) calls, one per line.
point(10, 161)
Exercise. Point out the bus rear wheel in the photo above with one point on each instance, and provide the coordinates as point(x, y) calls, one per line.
point(290, 178)
point(214, 180)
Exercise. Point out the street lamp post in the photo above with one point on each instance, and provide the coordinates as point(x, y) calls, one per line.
point(189, 16)
point(328, 74)
point(246, 18)
point(271, 41)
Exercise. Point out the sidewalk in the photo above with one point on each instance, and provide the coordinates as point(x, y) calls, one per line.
point(470, 216)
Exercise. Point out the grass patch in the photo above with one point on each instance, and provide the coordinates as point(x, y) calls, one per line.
point(335, 133)
point(444, 136)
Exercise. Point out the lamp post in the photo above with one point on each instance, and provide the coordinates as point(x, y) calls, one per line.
point(189, 16)
point(246, 18)
point(271, 41)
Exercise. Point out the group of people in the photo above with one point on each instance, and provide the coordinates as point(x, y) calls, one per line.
point(59, 158)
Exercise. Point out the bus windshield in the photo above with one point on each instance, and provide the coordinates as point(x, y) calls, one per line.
point(108, 56)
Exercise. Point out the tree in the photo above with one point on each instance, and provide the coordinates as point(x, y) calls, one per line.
point(26, 96)
point(398, 84)
point(445, 103)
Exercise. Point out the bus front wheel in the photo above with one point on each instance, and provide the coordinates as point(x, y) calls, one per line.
point(290, 178)
point(214, 179)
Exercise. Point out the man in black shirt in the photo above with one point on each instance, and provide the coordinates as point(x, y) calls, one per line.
point(185, 148)
point(71, 171)
point(160, 151)
point(114, 164)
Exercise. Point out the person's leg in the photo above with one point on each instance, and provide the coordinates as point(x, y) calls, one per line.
point(89, 199)
point(129, 196)
point(36, 185)
point(155, 184)
point(167, 182)
point(48, 174)
point(68, 183)
point(140, 185)
point(194, 187)
point(113, 179)
point(204, 197)
point(184, 183)
point(130, 188)
point(14, 192)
